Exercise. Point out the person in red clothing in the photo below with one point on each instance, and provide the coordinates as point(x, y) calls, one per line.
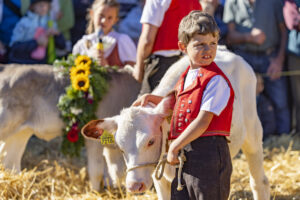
point(202, 114)
point(157, 47)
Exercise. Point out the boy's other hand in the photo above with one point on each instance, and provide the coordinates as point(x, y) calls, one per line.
point(142, 100)
point(147, 98)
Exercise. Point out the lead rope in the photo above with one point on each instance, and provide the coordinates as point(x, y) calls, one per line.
point(159, 170)
point(181, 159)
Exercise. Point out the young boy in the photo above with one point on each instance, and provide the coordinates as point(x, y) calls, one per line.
point(202, 114)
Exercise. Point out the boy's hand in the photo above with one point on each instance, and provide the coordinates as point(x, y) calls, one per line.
point(101, 60)
point(142, 100)
point(146, 98)
point(172, 156)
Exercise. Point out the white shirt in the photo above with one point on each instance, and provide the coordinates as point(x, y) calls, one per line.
point(126, 47)
point(153, 13)
point(216, 94)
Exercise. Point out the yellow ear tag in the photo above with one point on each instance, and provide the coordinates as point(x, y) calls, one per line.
point(107, 138)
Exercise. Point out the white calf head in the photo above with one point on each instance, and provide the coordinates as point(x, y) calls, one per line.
point(139, 137)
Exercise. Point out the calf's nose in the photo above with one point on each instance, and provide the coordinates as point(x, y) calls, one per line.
point(136, 187)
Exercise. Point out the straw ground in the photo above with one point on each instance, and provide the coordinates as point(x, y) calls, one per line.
point(49, 175)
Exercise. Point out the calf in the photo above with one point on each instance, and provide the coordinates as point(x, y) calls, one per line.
point(28, 98)
point(141, 132)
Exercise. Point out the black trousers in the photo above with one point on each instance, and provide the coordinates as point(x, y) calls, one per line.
point(206, 172)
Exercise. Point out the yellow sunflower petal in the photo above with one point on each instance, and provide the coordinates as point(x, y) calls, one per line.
point(81, 69)
point(83, 60)
point(81, 82)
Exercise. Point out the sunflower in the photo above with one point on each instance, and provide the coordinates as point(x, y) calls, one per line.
point(80, 69)
point(83, 60)
point(81, 82)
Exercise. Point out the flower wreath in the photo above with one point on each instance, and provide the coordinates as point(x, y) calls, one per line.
point(88, 84)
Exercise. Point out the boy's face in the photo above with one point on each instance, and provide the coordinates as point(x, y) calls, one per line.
point(104, 18)
point(201, 50)
point(41, 8)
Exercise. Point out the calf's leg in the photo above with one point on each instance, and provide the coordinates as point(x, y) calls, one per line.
point(14, 148)
point(259, 183)
point(162, 187)
point(96, 163)
point(115, 164)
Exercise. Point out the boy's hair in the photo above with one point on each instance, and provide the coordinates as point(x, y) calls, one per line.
point(197, 22)
point(97, 3)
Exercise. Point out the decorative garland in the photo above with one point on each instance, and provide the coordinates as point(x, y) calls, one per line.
point(89, 83)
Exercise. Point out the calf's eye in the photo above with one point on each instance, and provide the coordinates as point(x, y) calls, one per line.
point(151, 142)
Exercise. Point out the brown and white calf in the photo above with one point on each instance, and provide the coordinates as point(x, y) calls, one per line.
point(28, 98)
point(138, 134)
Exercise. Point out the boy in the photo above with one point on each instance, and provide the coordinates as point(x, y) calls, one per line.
point(202, 114)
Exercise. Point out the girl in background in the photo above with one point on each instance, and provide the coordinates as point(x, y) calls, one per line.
point(118, 49)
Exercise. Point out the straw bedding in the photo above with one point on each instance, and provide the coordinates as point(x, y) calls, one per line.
point(51, 176)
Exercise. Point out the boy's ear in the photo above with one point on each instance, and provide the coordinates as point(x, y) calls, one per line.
point(182, 46)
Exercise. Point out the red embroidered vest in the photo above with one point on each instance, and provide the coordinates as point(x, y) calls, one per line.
point(167, 37)
point(188, 104)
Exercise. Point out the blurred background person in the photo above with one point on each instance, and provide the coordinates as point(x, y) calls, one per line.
point(158, 44)
point(265, 109)
point(80, 23)
point(30, 39)
point(292, 20)
point(10, 14)
point(130, 24)
point(261, 41)
point(216, 9)
point(62, 12)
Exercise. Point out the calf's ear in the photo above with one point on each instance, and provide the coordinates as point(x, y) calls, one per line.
point(165, 107)
point(95, 128)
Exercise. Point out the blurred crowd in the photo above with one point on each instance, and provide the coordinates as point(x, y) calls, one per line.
point(265, 33)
